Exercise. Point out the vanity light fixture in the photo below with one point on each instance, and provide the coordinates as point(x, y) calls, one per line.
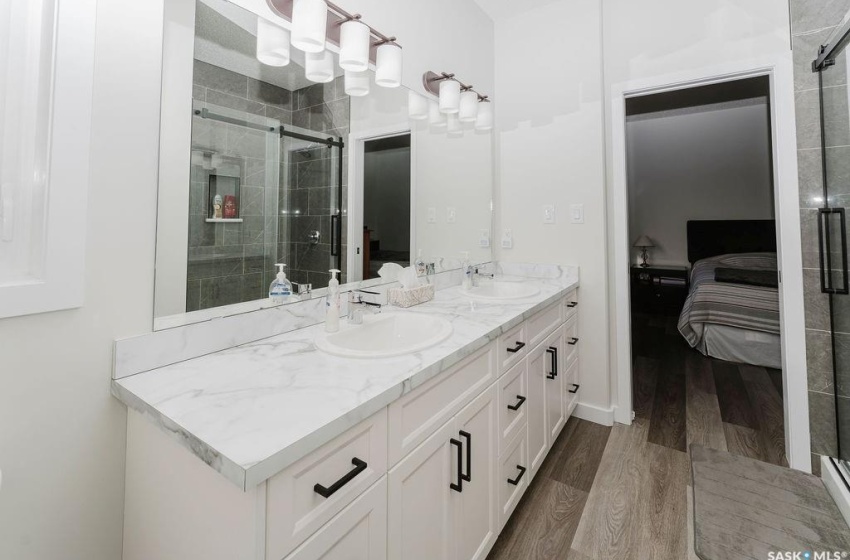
point(484, 120)
point(417, 106)
point(453, 125)
point(309, 25)
point(436, 118)
point(354, 44)
point(468, 110)
point(357, 83)
point(272, 43)
point(388, 64)
point(449, 96)
point(319, 67)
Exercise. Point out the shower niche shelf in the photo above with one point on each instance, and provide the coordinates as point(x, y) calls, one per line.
point(224, 220)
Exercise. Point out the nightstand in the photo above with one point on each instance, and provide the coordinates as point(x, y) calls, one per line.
point(659, 290)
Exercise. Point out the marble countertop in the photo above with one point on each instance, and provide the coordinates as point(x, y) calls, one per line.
point(253, 410)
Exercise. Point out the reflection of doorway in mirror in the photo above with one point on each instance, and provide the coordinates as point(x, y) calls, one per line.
point(385, 193)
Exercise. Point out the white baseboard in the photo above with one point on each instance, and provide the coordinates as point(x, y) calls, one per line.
point(595, 414)
point(837, 488)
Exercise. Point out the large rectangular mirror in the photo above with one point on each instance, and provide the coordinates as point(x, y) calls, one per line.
point(260, 166)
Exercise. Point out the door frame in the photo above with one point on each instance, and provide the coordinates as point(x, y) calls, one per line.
point(779, 70)
point(356, 169)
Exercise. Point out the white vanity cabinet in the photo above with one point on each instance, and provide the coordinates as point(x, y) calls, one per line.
point(436, 474)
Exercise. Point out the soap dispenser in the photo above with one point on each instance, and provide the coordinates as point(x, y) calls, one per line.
point(280, 290)
point(419, 265)
point(467, 270)
point(332, 303)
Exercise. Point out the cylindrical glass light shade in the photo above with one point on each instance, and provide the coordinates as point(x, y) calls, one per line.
point(388, 66)
point(354, 43)
point(436, 118)
point(449, 97)
point(356, 83)
point(309, 25)
point(319, 67)
point(484, 121)
point(272, 43)
point(417, 106)
point(468, 106)
point(454, 127)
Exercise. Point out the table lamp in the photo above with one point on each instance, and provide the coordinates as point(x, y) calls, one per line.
point(643, 243)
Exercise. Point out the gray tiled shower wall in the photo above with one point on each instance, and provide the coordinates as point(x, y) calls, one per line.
point(234, 262)
point(812, 21)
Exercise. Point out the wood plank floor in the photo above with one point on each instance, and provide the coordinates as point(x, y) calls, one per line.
point(622, 493)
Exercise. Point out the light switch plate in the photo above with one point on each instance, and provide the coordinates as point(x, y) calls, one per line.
point(508, 239)
point(432, 215)
point(484, 240)
point(451, 215)
point(577, 213)
point(549, 214)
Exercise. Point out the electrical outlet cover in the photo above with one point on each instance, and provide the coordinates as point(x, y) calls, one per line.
point(507, 239)
point(549, 214)
point(432, 215)
point(577, 213)
point(484, 240)
point(451, 215)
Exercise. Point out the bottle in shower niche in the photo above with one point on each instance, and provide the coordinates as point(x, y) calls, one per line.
point(280, 290)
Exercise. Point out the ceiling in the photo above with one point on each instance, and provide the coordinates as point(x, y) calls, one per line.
point(498, 9)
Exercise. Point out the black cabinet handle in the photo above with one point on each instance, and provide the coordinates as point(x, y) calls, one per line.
point(519, 346)
point(572, 304)
point(518, 477)
point(554, 353)
point(459, 486)
point(575, 388)
point(359, 467)
point(468, 476)
point(573, 341)
point(519, 401)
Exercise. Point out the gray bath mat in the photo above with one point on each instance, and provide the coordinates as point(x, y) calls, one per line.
point(746, 509)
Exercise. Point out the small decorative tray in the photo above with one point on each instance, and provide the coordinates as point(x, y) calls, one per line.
point(408, 298)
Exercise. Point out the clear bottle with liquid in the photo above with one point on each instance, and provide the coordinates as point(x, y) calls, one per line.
point(332, 303)
point(280, 290)
point(419, 265)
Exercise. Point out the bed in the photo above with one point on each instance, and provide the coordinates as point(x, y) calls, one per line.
point(732, 308)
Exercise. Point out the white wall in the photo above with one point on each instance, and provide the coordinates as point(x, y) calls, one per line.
point(707, 163)
point(62, 435)
point(657, 38)
point(550, 151)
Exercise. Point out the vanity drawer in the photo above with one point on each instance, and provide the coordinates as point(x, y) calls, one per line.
point(572, 387)
point(513, 476)
point(418, 414)
point(571, 304)
point(571, 339)
point(544, 323)
point(513, 346)
point(294, 507)
point(513, 392)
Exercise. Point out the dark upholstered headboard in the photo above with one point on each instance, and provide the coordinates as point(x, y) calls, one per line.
point(709, 238)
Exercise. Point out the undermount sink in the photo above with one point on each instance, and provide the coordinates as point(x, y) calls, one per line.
point(384, 336)
point(498, 290)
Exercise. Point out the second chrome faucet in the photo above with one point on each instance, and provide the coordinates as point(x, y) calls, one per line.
point(357, 305)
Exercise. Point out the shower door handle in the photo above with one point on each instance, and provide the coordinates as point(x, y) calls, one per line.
point(336, 235)
point(825, 250)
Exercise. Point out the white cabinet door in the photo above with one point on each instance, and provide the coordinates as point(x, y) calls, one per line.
point(358, 532)
point(555, 418)
point(539, 375)
point(421, 499)
point(476, 513)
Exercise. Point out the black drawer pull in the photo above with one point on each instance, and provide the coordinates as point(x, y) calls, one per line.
point(468, 476)
point(459, 486)
point(554, 353)
point(573, 341)
point(518, 477)
point(519, 401)
point(519, 346)
point(575, 388)
point(359, 467)
point(572, 304)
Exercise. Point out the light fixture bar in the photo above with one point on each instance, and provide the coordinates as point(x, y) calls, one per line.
point(431, 81)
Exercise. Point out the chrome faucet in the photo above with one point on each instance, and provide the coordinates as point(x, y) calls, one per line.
point(356, 306)
point(477, 275)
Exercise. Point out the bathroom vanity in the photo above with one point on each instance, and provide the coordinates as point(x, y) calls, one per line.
point(276, 449)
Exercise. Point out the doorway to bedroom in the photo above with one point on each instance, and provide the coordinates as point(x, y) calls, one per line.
point(705, 321)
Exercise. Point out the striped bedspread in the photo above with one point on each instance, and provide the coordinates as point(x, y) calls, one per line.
point(753, 308)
